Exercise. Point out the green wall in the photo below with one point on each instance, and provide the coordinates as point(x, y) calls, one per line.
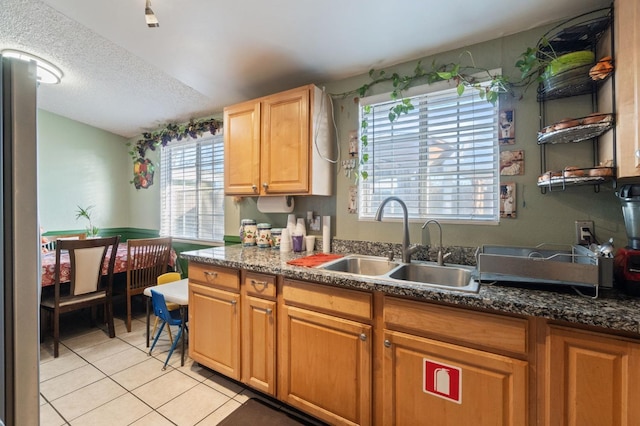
point(80, 165)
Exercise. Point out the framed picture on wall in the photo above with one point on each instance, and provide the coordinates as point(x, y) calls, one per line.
point(506, 127)
point(512, 163)
point(508, 200)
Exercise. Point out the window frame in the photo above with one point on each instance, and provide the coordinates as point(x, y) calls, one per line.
point(432, 89)
point(216, 191)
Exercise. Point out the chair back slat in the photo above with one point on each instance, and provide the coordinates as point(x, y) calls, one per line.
point(88, 269)
point(146, 260)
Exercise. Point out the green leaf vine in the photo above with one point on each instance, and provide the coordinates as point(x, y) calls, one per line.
point(489, 87)
point(151, 141)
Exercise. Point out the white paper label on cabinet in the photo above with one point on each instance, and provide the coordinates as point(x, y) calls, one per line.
point(442, 380)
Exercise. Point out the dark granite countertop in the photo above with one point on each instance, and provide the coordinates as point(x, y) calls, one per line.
point(611, 310)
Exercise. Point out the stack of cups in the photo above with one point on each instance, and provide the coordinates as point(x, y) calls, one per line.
point(291, 224)
point(301, 229)
point(285, 241)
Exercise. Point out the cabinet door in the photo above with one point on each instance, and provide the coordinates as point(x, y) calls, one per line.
point(285, 142)
point(214, 329)
point(242, 149)
point(259, 344)
point(491, 389)
point(627, 60)
point(591, 379)
point(324, 366)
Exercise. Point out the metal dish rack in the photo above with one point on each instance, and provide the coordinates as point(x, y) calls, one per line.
point(574, 266)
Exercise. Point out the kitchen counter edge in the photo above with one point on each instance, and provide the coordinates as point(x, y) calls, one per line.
point(613, 311)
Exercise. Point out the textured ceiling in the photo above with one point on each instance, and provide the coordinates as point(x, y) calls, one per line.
point(126, 78)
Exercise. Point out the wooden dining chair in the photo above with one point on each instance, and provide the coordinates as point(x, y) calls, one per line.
point(89, 286)
point(147, 259)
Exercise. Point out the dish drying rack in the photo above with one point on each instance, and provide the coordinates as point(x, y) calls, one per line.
point(575, 266)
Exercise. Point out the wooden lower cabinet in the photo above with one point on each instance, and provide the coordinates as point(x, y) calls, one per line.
point(214, 329)
point(259, 344)
point(490, 389)
point(325, 366)
point(351, 357)
point(325, 337)
point(590, 379)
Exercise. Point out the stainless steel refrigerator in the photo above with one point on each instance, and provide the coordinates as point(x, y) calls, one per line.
point(19, 245)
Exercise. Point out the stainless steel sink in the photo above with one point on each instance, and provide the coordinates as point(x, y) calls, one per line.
point(427, 274)
point(454, 277)
point(360, 265)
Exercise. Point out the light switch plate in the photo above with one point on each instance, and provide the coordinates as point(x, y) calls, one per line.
point(315, 223)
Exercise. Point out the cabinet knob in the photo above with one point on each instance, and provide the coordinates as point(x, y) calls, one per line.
point(265, 185)
point(387, 343)
point(254, 188)
point(269, 311)
point(363, 337)
point(210, 275)
point(637, 153)
point(234, 302)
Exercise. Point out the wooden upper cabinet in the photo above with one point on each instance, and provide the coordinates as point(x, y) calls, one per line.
point(279, 145)
point(285, 143)
point(627, 62)
point(242, 149)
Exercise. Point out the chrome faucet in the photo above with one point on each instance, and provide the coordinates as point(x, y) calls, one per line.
point(440, 257)
point(406, 250)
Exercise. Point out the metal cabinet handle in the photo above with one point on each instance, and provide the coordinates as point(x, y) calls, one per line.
point(234, 302)
point(210, 274)
point(363, 337)
point(269, 311)
point(254, 188)
point(265, 185)
point(264, 284)
point(387, 343)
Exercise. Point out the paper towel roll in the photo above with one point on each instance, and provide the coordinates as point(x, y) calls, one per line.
point(326, 234)
point(275, 204)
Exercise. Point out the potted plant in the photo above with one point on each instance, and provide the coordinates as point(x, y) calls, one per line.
point(92, 231)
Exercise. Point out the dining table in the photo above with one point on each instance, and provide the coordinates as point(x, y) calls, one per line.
point(176, 292)
point(48, 263)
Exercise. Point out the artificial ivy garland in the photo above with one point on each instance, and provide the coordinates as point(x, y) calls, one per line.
point(143, 168)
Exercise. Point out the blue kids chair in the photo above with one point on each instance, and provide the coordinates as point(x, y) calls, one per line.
point(166, 317)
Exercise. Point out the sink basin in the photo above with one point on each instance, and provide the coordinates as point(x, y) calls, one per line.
point(360, 265)
point(425, 274)
point(453, 277)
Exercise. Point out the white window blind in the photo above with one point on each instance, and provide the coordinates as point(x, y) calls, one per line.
point(441, 159)
point(192, 189)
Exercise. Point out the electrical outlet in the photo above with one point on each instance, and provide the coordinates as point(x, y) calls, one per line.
point(584, 232)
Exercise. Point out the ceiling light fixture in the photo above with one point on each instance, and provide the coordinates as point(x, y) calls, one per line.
point(150, 17)
point(46, 72)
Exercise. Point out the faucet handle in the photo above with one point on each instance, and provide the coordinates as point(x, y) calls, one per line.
point(390, 255)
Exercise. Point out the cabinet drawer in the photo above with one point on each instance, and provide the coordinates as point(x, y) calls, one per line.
point(332, 300)
point(260, 285)
point(489, 331)
point(216, 276)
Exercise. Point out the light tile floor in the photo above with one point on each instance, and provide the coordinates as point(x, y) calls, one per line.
point(101, 381)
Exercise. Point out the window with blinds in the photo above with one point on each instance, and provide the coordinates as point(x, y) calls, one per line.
point(441, 159)
point(192, 189)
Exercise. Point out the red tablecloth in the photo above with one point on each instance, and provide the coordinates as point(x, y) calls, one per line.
point(49, 264)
